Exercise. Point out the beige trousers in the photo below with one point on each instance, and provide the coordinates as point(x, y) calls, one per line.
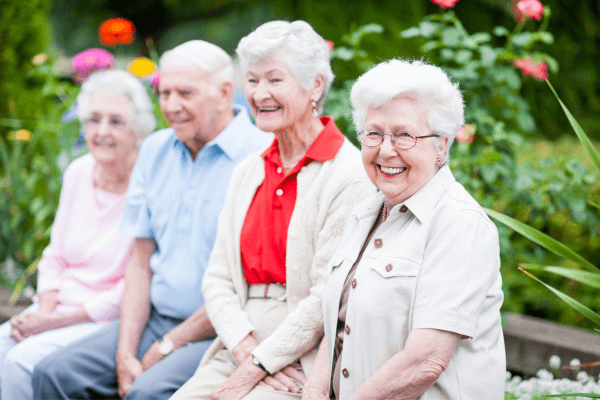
point(265, 315)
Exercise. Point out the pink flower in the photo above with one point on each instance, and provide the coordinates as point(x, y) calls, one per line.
point(89, 61)
point(531, 8)
point(538, 71)
point(445, 3)
point(329, 44)
point(466, 133)
point(155, 81)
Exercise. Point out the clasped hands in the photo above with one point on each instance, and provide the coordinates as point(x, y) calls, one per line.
point(23, 326)
point(248, 375)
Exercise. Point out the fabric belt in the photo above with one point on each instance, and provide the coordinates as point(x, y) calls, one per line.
point(275, 291)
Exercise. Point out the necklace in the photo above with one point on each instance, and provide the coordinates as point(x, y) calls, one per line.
point(384, 211)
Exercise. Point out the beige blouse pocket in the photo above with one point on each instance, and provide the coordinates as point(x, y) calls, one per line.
point(389, 284)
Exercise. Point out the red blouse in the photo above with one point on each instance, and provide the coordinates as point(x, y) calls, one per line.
point(263, 240)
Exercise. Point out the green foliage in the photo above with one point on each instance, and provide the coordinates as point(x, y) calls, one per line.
point(549, 194)
point(30, 176)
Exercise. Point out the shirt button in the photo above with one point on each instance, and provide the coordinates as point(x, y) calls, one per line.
point(347, 330)
point(378, 243)
point(389, 267)
point(403, 209)
point(345, 373)
point(279, 170)
point(353, 283)
point(279, 192)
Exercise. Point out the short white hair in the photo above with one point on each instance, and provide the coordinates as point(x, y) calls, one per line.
point(297, 44)
point(210, 58)
point(119, 82)
point(426, 83)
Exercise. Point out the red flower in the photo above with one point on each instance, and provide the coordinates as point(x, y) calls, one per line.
point(531, 8)
point(445, 3)
point(466, 133)
point(329, 44)
point(116, 31)
point(538, 71)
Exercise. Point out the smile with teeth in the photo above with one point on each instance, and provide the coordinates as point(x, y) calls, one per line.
point(268, 110)
point(390, 170)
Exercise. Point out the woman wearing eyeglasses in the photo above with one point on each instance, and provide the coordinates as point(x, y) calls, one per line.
point(412, 307)
point(80, 274)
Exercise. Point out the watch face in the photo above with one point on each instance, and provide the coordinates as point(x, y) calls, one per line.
point(166, 346)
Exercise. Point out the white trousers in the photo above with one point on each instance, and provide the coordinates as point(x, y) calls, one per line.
point(17, 360)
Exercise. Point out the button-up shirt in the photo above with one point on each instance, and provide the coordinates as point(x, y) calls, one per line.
point(176, 200)
point(434, 263)
point(263, 241)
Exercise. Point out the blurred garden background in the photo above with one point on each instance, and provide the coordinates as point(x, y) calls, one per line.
point(518, 154)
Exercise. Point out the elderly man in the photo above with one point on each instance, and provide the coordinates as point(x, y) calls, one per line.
point(175, 194)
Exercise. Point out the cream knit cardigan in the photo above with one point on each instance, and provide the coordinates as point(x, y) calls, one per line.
point(327, 192)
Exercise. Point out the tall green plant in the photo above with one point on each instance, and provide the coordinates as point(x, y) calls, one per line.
point(591, 277)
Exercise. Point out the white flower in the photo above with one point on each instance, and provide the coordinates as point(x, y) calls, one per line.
point(575, 363)
point(555, 362)
point(582, 376)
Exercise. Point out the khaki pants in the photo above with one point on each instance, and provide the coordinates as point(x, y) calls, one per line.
point(265, 315)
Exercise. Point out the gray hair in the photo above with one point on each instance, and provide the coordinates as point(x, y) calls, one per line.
point(120, 82)
point(296, 43)
point(210, 58)
point(427, 84)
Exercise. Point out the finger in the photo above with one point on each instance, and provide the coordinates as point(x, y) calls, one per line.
point(16, 335)
point(287, 381)
point(263, 384)
point(275, 383)
point(294, 374)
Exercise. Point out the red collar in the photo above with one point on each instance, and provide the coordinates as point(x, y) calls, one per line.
point(324, 148)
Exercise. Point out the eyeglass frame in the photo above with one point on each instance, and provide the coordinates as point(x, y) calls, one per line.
point(383, 135)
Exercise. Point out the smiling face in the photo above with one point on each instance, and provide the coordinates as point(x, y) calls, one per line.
point(108, 132)
point(401, 173)
point(277, 100)
point(191, 103)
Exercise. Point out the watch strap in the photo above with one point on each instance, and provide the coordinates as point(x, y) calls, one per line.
point(257, 362)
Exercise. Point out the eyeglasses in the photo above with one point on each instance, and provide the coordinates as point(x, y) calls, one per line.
point(400, 140)
point(114, 122)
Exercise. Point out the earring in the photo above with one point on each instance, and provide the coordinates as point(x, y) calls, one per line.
point(439, 160)
point(315, 111)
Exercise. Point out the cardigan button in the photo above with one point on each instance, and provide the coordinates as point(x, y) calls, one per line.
point(279, 170)
point(389, 267)
point(345, 373)
point(403, 209)
point(353, 283)
point(279, 192)
point(378, 243)
point(347, 330)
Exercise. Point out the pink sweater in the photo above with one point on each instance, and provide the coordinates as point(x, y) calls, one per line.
point(86, 257)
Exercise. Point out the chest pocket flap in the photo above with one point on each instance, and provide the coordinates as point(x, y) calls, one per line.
point(392, 266)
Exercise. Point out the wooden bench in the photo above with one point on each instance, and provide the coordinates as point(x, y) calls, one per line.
point(6, 309)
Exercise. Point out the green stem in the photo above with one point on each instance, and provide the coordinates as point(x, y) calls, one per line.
point(516, 31)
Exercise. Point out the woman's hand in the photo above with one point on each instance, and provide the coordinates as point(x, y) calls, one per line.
point(242, 351)
point(152, 356)
point(240, 383)
point(286, 380)
point(31, 324)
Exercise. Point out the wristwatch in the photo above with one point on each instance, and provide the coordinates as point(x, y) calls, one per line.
point(165, 346)
point(257, 362)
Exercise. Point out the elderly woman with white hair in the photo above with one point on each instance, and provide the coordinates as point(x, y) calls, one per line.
point(283, 217)
point(80, 274)
point(412, 307)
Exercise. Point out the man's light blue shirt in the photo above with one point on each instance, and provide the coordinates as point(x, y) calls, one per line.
point(177, 200)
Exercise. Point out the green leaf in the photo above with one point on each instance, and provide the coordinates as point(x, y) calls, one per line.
point(569, 395)
point(410, 33)
point(450, 37)
point(541, 239)
point(481, 37)
point(431, 45)
point(587, 144)
point(344, 53)
point(500, 31)
point(546, 37)
point(428, 29)
point(586, 312)
point(591, 203)
point(588, 278)
point(488, 55)
point(463, 56)
point(522, 39)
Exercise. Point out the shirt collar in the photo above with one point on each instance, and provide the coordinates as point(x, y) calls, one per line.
point(421, 204)
point(229, 140)
point(324, 148)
